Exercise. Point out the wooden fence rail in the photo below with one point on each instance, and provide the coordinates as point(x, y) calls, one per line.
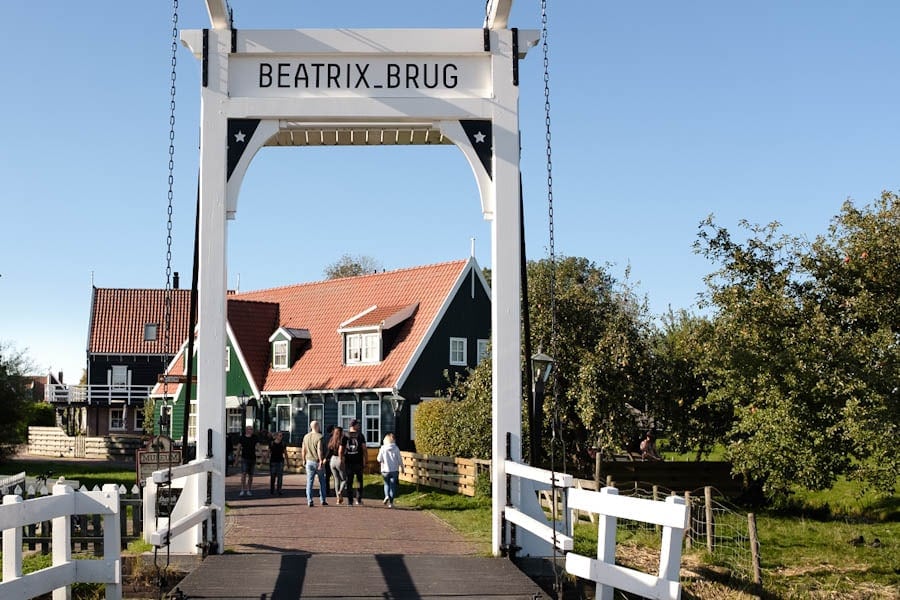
point(442, 472)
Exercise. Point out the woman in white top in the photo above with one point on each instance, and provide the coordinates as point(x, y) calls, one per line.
point(391, 467)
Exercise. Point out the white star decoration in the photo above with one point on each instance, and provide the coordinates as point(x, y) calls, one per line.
point(479, 138)
point(239, 136)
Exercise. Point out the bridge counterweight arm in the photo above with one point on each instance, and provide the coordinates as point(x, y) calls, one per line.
point(219, 14)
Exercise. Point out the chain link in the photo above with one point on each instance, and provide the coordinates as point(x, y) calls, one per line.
point(162, 572)
point(556, 433)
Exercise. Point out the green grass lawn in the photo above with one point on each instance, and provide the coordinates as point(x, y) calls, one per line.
point(89, 475)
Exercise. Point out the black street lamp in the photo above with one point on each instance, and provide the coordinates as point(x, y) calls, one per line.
point(541, 365)
point(396, 402)
point(242, 402)
point(266, 402)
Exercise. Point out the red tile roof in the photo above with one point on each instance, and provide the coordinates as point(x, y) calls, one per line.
point(118, 317)
point(322, 306)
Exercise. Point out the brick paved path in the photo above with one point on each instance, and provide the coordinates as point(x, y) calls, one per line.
point(266, 523)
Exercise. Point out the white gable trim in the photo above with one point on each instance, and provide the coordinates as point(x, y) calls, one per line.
point(362, 314)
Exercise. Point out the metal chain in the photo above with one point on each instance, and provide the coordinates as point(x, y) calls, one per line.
point(558, 582)
point(161, 572)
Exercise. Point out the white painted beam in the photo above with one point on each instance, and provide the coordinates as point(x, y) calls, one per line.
point(497, 16)
point(219, 14)
point(541, 530)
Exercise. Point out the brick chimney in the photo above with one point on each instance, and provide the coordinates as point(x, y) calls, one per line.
point(175, 280)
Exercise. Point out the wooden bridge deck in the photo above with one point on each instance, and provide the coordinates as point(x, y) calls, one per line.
point(356, 576)
point(278, 548)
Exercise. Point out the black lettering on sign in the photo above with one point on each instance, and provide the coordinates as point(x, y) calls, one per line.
point(265, 75)
point(411, 76)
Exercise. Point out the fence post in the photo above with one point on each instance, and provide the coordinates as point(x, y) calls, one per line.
point(754, 553)
point(670, 550)
point(707, 501)
point(61, 548)
point(655, 499)
point(606, 545)
point(688, 533)
point(112, 533)
point(12, 545)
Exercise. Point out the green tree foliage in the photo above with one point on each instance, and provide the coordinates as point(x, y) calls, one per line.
point(13, 366)
point(350, 265)
point(695, 421)
point(804, 348)
point(601, 353)
point(460, 423)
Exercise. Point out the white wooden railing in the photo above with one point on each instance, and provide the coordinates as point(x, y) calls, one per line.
point(102, 394)
point(672, 515)
point(175, 530)
point(59, 508)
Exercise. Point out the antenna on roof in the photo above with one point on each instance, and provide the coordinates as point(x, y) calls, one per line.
point(472, 247)
point(237, 288)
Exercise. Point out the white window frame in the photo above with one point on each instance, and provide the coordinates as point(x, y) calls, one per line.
point(371, 347)
point(280, 351)
point(118, 377)
point(314, 412)
point(352, 348)
point(192, 421)
point(234, 420)
point(455, 351)
point(151, 332)
point(371, 423)
point(280, 411)
point(138, 419)
point(482, 352)
point(345, 415)
point(120, 419)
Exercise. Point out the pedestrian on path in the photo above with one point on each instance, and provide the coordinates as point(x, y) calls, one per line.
point(276, 463)
point(314, 458)
point(247, 444)
point(335, 456)
point(355, 460)
point(391, 466)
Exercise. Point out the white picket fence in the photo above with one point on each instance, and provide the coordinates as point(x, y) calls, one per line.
point(60, 507)
point(672, 515)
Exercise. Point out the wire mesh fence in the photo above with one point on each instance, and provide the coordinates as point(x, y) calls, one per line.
point(719, 535)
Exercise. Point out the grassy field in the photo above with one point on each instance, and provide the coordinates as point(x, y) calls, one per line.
point(843, 543)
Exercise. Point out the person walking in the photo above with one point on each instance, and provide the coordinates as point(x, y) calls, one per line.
point(354, 461)
point(335, 456)
point(247, 443)
point(391, 466)
point(314, 458)
point(276, 463)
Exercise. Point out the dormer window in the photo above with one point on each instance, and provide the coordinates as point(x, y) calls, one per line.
point(287, 344)
point(362, 348)
point(280, 355)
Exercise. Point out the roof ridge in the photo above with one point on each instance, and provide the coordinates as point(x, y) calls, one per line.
point(357, 277)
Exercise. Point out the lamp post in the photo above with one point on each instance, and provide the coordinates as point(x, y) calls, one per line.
point(266, 402)
point(396, 403)
point(254, 406)
point(242, 402)
point(542, 365)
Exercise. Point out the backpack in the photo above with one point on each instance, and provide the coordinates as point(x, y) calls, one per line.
point(352, 446)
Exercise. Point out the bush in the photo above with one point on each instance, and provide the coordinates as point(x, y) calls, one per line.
point(434, 427)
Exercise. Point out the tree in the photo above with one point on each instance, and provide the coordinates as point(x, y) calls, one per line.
point(695, 422)
point(13, 367)
point(352, 265)
point(601, 352)
point(804, 348)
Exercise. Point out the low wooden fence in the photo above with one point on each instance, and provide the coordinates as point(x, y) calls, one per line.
point(457, 475)
point(60, 508)
point(53, 441)
point(86, 533)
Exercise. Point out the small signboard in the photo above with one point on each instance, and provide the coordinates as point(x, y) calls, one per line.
point(159, 454)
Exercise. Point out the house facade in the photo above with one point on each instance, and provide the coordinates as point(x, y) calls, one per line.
point(127, 349)
point(370, 348)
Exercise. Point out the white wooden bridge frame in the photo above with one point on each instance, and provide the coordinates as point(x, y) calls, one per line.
point(418, 86)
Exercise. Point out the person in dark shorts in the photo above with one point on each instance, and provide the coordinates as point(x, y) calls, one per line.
point(247, 444)
point(276, 463)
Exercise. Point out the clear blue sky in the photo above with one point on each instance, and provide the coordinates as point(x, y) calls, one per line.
point(663, 112)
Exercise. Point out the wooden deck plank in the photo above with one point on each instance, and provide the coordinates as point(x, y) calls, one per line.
point(352, 576)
